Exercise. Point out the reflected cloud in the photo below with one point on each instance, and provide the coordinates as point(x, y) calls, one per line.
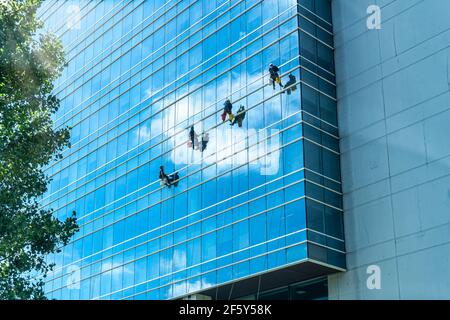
point(226, 145)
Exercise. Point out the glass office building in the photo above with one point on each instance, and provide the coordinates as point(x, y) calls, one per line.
point(258, 205)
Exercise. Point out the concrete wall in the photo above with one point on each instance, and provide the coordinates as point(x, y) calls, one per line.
point(394, 117)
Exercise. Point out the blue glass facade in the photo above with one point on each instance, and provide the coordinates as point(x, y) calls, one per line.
point(260, 197)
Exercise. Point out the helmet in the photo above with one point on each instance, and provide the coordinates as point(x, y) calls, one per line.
point(271, 65)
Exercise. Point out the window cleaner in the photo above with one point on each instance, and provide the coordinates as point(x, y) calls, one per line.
point(227, 107)
point(205, 140)
point(165, 181)
point(274, 76)
point(239, 117)
point(174, 178)
point(291, 84)
point(193, 139)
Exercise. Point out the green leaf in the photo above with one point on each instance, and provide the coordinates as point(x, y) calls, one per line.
point(29, 63)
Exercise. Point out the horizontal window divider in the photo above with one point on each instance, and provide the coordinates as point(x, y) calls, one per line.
point(322, 146)
point(319, 174)
point(314, 23)
point(316, 38)
point(319, 66)
point(325, 204)
point(323, 187)
point(319, 76)
point(326, 235)
point(314, 14)
point(321, 130)
point(321, 92)
point(317, 118)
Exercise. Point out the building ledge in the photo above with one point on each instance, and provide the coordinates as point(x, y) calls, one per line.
point(306, 270)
